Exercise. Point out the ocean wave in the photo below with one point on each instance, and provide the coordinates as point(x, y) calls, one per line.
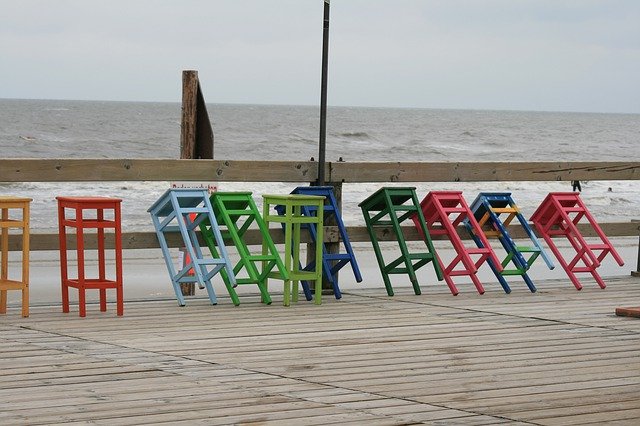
point(355, 135)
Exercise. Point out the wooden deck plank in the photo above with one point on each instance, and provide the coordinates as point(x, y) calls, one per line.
point(555, 357)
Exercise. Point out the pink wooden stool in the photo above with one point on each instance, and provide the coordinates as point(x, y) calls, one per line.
point(443, 211)
point(80, 223)
point(558, 216)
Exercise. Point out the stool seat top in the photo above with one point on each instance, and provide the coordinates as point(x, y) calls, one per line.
point(89, 199)
point(223, 193)
point(397, 194)
point(294, 197)
point(11, 199)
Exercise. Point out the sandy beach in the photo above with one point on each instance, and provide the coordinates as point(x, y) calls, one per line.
point(146, 276)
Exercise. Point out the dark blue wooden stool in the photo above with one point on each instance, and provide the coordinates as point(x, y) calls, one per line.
point(487, 209)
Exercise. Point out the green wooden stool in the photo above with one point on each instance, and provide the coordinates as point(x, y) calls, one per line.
point(236, 212)
point(390, 206)
point(291, 221)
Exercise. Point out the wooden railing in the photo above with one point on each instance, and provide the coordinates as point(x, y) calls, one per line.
point(336, 173)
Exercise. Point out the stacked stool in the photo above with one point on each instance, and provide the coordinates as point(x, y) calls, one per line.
point(558, 216)
point(291, 217)
point(443, 211)
point(331, 262)
point(81, 223)
point(7, 222)
point(173, 213)
point(487, 209)
point(390, 206)
point(236, 213)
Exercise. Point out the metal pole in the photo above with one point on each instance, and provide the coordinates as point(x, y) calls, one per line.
point(323, 94)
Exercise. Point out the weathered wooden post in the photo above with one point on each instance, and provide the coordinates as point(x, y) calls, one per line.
point(196, 133)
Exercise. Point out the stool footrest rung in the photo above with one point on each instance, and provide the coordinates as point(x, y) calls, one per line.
point(11, 285)
point(91, 283)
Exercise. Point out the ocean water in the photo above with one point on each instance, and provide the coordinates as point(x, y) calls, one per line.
point(84, 129)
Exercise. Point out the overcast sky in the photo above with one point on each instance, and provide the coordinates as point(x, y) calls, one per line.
point(556, 55)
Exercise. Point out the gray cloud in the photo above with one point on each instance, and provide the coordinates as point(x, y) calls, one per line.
point(499, 54)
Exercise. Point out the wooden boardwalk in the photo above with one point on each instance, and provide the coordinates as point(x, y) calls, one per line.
point(557, 357)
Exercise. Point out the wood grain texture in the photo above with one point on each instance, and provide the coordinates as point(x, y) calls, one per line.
point(87, 170)
point(483, 172)
point(77, 170)
point(555, 357)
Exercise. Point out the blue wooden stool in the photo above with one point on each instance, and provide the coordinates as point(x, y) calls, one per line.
point(487, 208)
point(331, 262)
point(173, 212)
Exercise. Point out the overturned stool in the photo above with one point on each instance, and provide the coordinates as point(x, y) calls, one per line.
point(173, 213)
point(390, 206)
point(494, 211)
point(558, 216)
point(331, 262)
point(443, 211)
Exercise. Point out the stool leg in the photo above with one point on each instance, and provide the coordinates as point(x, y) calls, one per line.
point(62, 237)
point(25, 261)
point(529, 282)
point(287, 256)
point(297, 213)
point(4, 262)
point(101, 262)
point(118, 256)
point(80, 250)
point(319, 265)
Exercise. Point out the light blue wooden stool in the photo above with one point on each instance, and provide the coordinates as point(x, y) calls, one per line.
point(182, 210)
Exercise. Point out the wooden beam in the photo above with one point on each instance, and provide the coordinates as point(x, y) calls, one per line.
point(483, 172)
point(87, 169)
point(196, 133)
point(189, 114)
point(114, 170)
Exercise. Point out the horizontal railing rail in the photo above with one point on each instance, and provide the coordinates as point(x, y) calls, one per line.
point(85, 170)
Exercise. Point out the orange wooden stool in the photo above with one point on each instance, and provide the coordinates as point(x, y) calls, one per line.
point(6, 223)
point(81, 223)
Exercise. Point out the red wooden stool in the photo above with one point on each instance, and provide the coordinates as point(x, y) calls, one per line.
point(558, 216)
point(443, 211)
point(80, 223)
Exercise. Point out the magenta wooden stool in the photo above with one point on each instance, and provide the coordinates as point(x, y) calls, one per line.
point(558, 216)
point(83, 213)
